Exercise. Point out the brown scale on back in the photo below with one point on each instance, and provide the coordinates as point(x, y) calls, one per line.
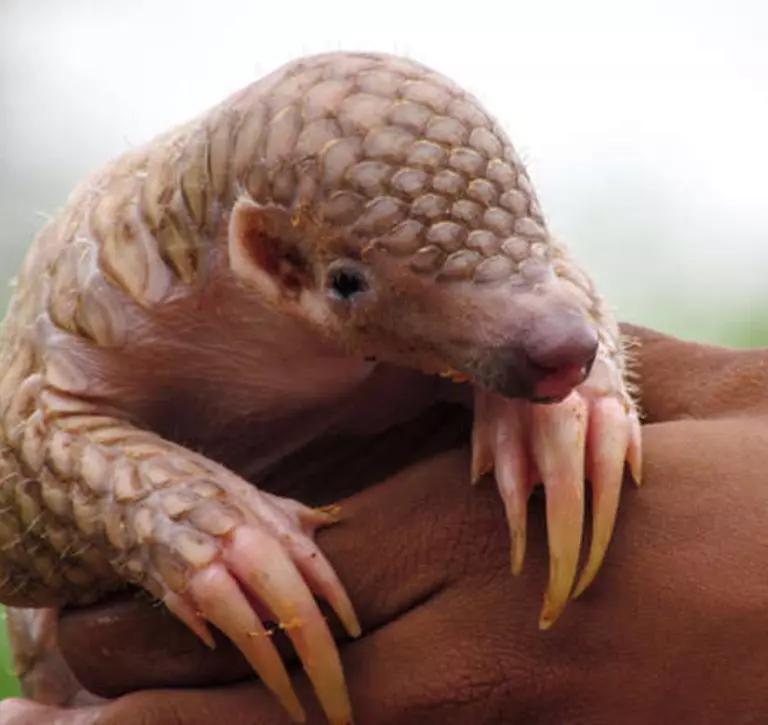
point(371, 147)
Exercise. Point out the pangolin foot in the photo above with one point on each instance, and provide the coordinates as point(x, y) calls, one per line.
point(590, 434)
point(268, 569)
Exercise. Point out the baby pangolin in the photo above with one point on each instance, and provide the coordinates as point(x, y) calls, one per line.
point(306, 259)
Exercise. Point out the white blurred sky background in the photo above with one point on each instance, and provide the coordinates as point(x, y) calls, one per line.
point(643, 123)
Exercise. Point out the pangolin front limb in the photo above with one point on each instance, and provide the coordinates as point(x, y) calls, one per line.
point(294, 265)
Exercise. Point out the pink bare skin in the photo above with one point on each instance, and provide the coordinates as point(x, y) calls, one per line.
point(673, 631)
point(251, 286)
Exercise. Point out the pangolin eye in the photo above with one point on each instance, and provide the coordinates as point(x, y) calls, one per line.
point(346, 282)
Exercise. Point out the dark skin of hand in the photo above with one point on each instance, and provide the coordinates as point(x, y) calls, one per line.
point(673, 630)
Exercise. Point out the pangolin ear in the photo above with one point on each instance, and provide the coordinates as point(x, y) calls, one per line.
point(265, 252)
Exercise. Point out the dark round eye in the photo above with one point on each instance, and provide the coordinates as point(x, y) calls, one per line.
point(346, 283)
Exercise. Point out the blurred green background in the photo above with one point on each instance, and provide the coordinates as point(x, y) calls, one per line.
point(642, 124)
point(8, 684)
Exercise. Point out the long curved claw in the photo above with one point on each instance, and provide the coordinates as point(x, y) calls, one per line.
point(590, 434)
point(607, 443)
point(513, 475)
point(558, 441)
point(190, 615)
point(324, 582)
point(312, 563)
point(269, 569)
point(265, 568)
point(221, 602)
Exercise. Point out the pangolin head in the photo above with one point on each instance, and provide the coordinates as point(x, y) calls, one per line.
point(392, 211)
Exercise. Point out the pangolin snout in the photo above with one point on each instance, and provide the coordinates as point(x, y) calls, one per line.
point(547, 362)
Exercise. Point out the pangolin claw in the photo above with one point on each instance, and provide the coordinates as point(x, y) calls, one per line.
point(512, 472)
point(608, 443)
point(591, 434)
point(273, 574)
point(218, 595)
point(558, 433)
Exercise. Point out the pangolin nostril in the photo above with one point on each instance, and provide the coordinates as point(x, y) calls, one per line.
point(560, 359)
point(566, 348)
